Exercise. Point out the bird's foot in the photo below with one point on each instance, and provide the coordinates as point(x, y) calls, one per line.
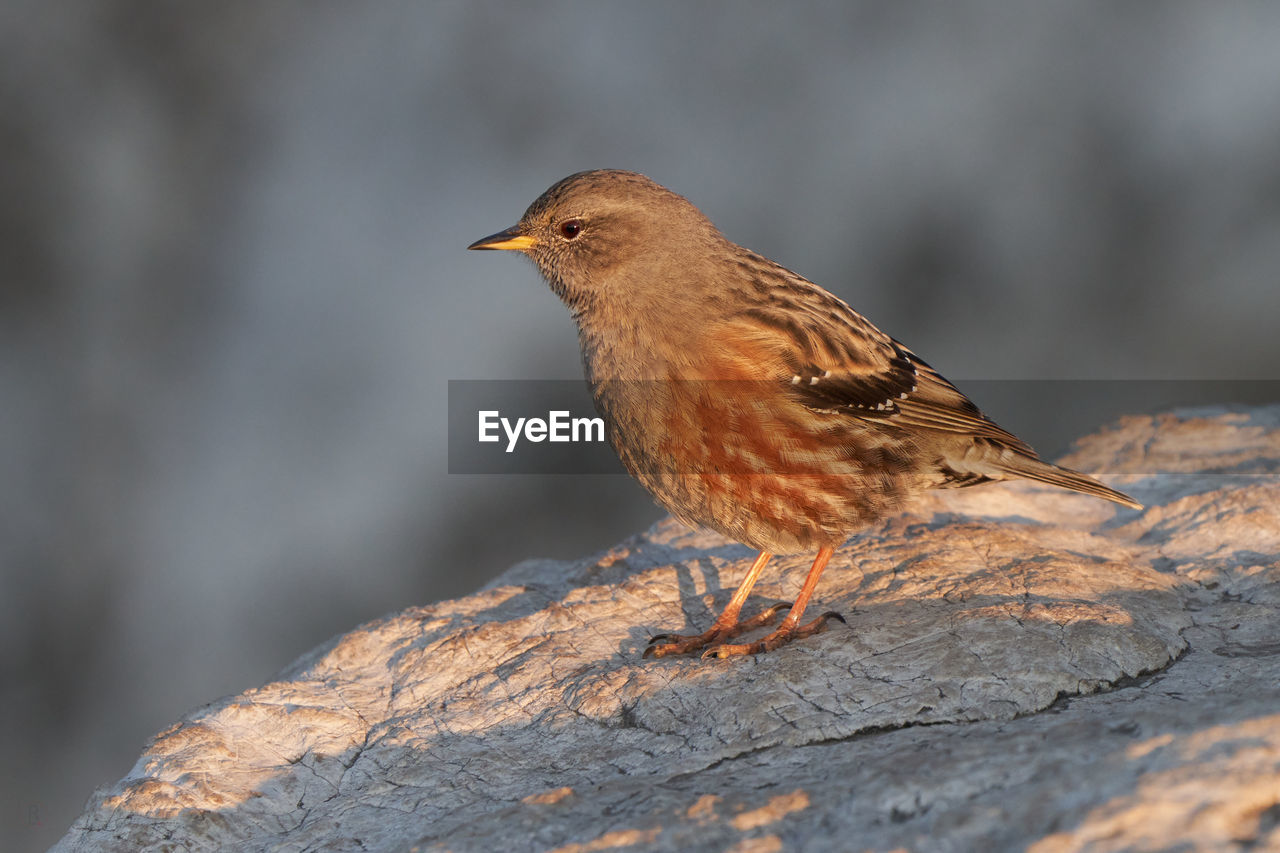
point(769, 642)
point(664, 645)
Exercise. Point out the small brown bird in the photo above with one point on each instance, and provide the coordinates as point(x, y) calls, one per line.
point(746, 398)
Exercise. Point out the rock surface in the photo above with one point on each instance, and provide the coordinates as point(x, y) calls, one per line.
point(1023, 668)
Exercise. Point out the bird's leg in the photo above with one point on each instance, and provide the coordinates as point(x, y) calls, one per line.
point(726, 625)
point(790, 629)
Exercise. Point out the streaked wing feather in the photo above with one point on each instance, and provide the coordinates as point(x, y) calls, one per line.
point(836, 361)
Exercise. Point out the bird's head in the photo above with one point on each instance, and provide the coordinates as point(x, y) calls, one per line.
point(607, 233)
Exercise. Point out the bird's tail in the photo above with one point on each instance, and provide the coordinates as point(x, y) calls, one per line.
point(1054, 475)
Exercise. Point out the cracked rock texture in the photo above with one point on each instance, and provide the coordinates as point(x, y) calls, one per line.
point(1023, 668)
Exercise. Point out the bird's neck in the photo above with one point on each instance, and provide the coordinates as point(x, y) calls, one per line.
point(631, 340)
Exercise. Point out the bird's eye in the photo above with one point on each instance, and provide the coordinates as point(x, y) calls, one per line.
point(570, 228)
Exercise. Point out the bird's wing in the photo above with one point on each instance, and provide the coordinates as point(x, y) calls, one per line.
point(834, 360)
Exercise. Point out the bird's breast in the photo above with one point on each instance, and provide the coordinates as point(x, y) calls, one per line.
point(743, 458)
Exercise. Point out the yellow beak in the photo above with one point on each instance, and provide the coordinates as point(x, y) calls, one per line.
point(509, 239)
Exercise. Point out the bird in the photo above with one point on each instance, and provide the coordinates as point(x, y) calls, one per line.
point(747, 399)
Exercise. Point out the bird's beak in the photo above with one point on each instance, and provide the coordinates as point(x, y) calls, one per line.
point(509, 239)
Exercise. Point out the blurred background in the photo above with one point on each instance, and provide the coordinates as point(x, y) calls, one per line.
point(235, 283)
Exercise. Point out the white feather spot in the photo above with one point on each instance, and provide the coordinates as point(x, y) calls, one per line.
point(814, 380)
point(795, 380)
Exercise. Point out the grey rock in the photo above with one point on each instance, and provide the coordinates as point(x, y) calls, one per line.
point(1023, 668)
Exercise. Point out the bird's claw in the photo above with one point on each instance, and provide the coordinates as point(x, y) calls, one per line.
point(679, 644)
point(780, 637)
point(662, 645)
